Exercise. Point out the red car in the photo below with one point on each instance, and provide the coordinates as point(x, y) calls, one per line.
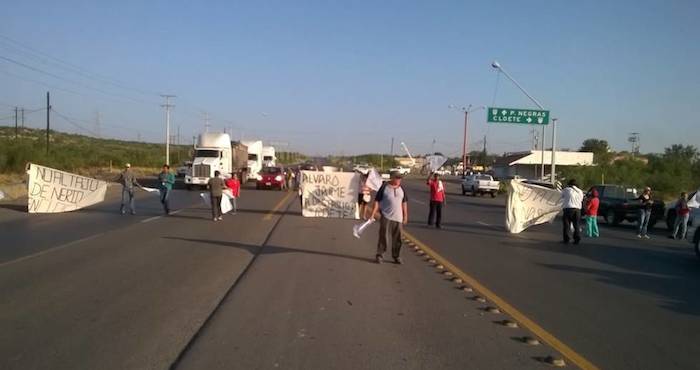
point(271, 178)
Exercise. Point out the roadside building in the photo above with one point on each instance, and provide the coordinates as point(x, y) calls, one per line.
point(528, 164)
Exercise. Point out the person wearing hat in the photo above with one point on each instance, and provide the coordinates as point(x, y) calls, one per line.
point(572, 197)
point(391, 204)
point(128, 181)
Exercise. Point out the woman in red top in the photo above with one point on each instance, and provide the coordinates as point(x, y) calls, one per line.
point(235, 186)
point(592, 215)
point(437, 199)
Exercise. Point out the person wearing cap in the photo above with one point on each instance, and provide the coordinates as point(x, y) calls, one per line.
point(572, 197)
point(166, 180)
point(128, 181)
point(437, 199)
point(391, 203)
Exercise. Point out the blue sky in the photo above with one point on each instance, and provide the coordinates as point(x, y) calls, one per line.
point(345, 77)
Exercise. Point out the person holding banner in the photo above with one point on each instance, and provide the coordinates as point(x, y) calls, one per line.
point(166, 179)
point(235, 186)
point(573, 201)
point(437, 200)
point(391, 204)
point(216, 192)
point(128, 181)
point(364, 196)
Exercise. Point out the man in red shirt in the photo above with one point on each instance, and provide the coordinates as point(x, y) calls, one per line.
point(437, 199)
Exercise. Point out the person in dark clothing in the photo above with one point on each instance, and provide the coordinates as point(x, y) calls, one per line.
point(646, 204)
point(682, 215)
point(128, 181)
point(166, 180)
point(572, 198)
point(437, 200)
point(216, 188)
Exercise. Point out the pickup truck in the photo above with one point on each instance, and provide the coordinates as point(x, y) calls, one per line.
point(619, 203)
point(480, 184)
point(401, 170)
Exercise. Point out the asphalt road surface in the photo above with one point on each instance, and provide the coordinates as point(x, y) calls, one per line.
point(269, 289)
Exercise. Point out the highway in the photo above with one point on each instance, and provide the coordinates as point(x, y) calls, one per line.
point(268, 289)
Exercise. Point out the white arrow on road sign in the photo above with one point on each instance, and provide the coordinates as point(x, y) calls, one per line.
point(529, 119)
point(504, 112)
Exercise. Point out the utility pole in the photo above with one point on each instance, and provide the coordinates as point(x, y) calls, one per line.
point(178, 134)
point(206, 122)
point(167, 107)
point(16, 127)
point(48, 120)
point(22, 117)
point(97, 124)
point(392, 146)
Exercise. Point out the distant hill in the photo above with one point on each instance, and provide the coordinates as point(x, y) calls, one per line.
point(72, 152)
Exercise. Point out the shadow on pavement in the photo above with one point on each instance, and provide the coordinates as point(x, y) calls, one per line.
point(15, 207)
point(270, 249)
point(669, 274)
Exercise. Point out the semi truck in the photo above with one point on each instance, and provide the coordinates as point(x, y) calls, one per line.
point(216, 152)
point(255, 158)
point(269, 158)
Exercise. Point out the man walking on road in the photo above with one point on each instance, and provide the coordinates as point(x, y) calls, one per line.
point(128, 182)
point(573, 200)
point(216, 189)
point(437, 200)
point(166, 180)
point(391, 202)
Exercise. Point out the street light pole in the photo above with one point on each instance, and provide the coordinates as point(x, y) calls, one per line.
point(554, 150)
point(498, 66)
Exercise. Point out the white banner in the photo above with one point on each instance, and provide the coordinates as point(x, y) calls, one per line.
point(226, 205)
point(330, 194)
point(529, 205)
point(374, 180)
point(435, 162)
point(694, 202)
point(53, 191)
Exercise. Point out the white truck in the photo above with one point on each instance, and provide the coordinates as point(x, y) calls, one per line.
point(212, 152)
point(268, 156)
point(255, 158)
point(481, 184)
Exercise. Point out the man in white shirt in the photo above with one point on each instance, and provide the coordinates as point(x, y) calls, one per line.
point(573, 201)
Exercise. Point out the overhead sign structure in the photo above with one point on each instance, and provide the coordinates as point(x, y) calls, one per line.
point(519, 116)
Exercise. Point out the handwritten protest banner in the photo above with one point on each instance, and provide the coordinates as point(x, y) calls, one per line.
point(330, 194)
point(530, 205)
point(52, 191)
point(435, 162)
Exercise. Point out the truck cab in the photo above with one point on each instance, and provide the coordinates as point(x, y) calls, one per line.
point(255, 160)
point(212, 152)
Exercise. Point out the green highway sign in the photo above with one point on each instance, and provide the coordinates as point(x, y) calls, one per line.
point(515, 115)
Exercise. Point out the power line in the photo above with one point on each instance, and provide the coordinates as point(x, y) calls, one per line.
point(72, 122)
point(36, 54)
point(32, 68)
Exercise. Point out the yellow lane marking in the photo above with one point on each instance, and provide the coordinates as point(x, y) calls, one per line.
point(279, 205)
point(524, 321)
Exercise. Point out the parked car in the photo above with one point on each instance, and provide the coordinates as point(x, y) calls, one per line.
point(481, 184)
point(619, 203)
point(671, 213)
point(271, 178)
point(184, 169)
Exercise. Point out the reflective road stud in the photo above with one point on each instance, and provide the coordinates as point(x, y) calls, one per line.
point(558, 362)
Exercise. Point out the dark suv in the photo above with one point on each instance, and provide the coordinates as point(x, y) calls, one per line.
point(618, 203)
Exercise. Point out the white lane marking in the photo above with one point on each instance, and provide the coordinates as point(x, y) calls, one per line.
point(157, 217)
point(418, 201)
point(51, 250)
point(483, 223)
